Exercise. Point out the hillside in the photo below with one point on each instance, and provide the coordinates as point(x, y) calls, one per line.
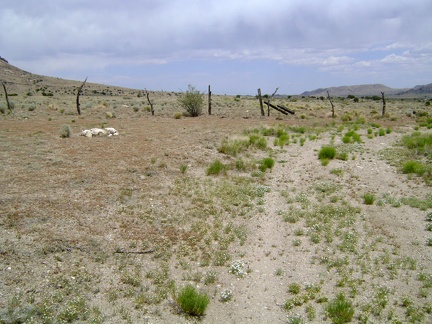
point(365, 90)
point(23, 82)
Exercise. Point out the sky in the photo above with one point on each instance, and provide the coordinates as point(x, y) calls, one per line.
point(235, 46)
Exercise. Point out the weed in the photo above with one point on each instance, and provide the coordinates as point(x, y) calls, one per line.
point(338, 172)
point(294, 288)
point(237, 268)
point(278, 272)
point(369, 198)
point(310, 312)
point(226, 295)
point(192, 302)
point(183, 168)
point(210, 278)
point(327, 152)
point(266, 163)
point(415, 202)
point(413, 166)
point(325, 161)
point(215, 168)
point(296, 319)
point(340, 310)
point(296, 242)
point(65, 131)
point(234, 146)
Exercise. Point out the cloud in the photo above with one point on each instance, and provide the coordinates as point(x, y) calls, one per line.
point(328, 36)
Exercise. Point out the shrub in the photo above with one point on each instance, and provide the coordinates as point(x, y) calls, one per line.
point(266, 163)
point(294, 288)
point(192, 101)
point(340, 310)
point(327, 152)
point(215, 168)
point(258, 141)
point(413, 167)
point(65, 131)
point(192, 302)
point(233, 146)
point(369, 198)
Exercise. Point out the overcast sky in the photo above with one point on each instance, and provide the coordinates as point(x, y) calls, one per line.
point(236, 46)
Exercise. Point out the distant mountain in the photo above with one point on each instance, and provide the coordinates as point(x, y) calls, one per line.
point(418, 90)
point(365, 90)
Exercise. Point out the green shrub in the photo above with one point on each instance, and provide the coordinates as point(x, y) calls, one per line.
point(413, 167)
point(342, 156)
point(369, 198)
point(294, 288)
point(351, 137)
point(215, 168)
point(233, 146)
point(266, 163)
point(192, 101)
point(192, 302)
point(340, 310)
point(258, 141)
point(327, 152)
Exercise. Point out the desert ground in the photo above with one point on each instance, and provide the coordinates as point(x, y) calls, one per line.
point(111, 229)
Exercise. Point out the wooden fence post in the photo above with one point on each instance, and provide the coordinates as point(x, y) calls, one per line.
point(384, 104)
point(6, 95)
point(209, 100)
point(331, 102)
point(78, 95)
point(261, 102)
point(150, 103)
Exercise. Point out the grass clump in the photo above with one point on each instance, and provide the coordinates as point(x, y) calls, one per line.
point(266, 163)
point(413, 166)
point(351, 137)
point(234, 146)
point(369, 198)
point(192, 302)
point(65, 131)
point(215, 168)
point(340, 310)
point(326, 154)
point(294, 288)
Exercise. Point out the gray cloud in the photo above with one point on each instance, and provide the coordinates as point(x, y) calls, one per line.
point(333, 35)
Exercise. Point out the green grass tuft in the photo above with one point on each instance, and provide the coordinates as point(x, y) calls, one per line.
point(192, 302)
